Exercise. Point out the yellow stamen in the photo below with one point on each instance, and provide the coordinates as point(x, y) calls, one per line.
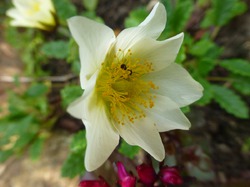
point(121, 85)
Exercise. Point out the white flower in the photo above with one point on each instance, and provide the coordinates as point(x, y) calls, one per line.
point(132, 87)
point(33, 13)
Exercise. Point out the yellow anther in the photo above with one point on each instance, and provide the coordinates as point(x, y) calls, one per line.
point(122, 87)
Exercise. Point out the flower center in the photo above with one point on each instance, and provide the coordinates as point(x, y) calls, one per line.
point(122, 87)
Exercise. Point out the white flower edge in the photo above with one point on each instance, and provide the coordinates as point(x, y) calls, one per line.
point(94, 40)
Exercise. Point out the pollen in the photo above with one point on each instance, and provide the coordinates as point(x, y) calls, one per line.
point(122, 86)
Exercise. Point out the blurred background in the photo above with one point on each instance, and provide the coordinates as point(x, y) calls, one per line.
point(43, 146)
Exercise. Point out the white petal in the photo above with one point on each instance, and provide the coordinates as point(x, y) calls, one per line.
point(151, 27)
point(144, 134)
point(176, 83)
point(94, 40)
point(76, 108)
point(167, 115)
point(102, 139)
point(160, 53)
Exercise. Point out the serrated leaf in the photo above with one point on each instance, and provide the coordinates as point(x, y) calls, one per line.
point(205, 65)
point(70, 93)
point(78, 143)
point(180, 16)
point(238, 66)
point(90, 4)
point(64, 10)
point(230, 101)
point(207, 92)
point(136, 17)
point(128, 150)
point(222, 12)
point(242, 84)
point(35, 149)
point(74, 165)
point(202, 47)
point(56, 49)
point(36, 90)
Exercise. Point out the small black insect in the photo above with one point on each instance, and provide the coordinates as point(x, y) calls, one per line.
point(123, 66)
point(130, 71)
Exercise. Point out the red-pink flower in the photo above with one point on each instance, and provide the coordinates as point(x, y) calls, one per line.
point(146, 174)
point(170, 175)
point(93, 183)
point(125, 179)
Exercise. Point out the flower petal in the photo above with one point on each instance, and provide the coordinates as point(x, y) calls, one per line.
point(101, 136)
point(94, 40)
point(167, 115)
point(159, 53)
point(176, 83)
point(151, 27)
point(143, 133)
point(75, 109)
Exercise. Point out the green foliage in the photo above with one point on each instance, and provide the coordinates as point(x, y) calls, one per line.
point(241, 84)
point(90, 5)
point(73, 165)
point(136, 17)
point(207, 93)
point(64, 10)
point(26, 120)
point(222, 11)
point(237, 66)
point(30, 54)
point(70, 93)
point(179, 13)
point(56, 49)
point(128, 150)
point(229, 101)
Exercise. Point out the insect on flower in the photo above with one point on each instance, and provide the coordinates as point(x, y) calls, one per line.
point(132, 87)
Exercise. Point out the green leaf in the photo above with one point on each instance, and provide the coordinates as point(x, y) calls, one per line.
point(70, 93)
point(36, 90)
point(205, 65)
point(222, 12)
point(90, 4)
point(56, 49)
point(230, 101)
point(78, 143)
point(179, 13)
point(36, 148)
point(203, 47)
point(238, 66)
point(74, 164)
point(207, 92)
point(242, 84)
point(128, 150)
point(64, 10)
point(136, 17)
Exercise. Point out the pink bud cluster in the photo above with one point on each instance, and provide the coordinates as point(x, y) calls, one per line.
point(146, 175)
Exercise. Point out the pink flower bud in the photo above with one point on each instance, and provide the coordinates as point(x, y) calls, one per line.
point(93, 183)
point(170, 175)
point(146, 174)
point(125, 180)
